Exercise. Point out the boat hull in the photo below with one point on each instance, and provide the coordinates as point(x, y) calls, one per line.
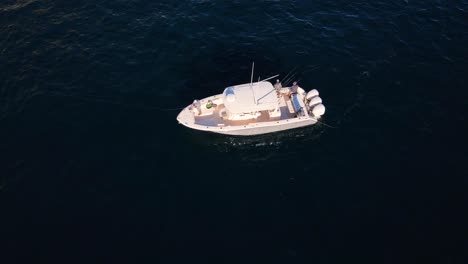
point(254, 128)
point(213, 119)
point(241, 131)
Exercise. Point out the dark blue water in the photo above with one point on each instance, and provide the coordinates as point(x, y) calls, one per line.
point(95, 168)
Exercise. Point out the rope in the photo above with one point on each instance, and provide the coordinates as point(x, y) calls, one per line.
point(325, 124)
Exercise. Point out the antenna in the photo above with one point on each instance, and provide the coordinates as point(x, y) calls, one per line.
point(251, 76)
point(270, 78)
point(251, 83)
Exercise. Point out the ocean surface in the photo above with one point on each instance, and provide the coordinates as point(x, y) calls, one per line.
point(94, 167)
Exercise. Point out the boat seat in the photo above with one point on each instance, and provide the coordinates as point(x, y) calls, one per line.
point(222, 113)
point(290, 107)
point(274, 113)
point(297, 103)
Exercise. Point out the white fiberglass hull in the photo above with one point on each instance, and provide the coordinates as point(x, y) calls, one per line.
point(187, 119)
point(258, 130)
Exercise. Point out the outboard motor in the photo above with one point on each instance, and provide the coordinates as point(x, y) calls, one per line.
point(318, 110)
point(311, 94)
point(315, 101)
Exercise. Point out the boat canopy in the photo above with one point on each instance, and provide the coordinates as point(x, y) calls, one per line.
point(247, 98)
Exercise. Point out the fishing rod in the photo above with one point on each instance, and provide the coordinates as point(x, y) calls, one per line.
point(290, 79)
point(291, 71)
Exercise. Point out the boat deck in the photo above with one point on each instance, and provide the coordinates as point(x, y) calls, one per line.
point(213, 117)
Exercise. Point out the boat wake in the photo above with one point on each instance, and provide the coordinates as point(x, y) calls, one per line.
point(274, 142)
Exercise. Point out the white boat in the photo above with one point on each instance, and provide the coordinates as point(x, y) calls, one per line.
point(254, 108)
